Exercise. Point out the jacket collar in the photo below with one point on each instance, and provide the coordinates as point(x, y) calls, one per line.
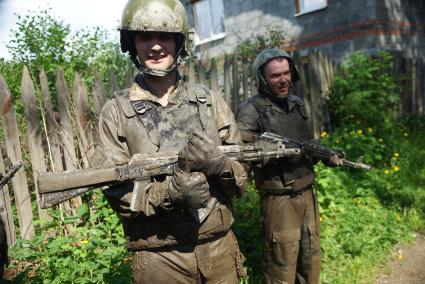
point(139, 91)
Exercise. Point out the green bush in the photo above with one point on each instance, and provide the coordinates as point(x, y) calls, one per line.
point(42, 41)
point(94, 253)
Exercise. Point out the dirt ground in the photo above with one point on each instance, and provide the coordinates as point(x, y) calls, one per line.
point(407, 265)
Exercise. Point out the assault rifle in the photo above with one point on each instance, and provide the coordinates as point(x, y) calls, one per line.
point(4, 179)
point(315, 149)
point(57, 187)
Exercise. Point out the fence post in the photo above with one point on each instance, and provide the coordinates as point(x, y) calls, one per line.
point(82, 114)
point(226, 81)
point(66, 135)
point(98, 94)
point(191, 72)
point(51, 126)
point(236, 83)
point(315, 91)
point(214, 76)
point(202, 74)
point(35, 145)
point(6, 214)
point(245, 75)
point(13, 146)
point(113, 85)
point(129, 77)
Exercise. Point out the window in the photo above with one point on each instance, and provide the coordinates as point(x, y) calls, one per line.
point(306, 6)
point(209, 19)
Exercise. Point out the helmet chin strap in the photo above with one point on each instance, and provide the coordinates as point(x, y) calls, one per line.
point(156, 72)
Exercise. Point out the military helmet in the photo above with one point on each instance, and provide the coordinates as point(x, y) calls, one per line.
point(154, 16)
point(263, 58)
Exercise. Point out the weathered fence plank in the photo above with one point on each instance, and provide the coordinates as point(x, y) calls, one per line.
point(226, 81)
point(6, 213)
point(129, 77)
point(315, 91)
point(202, 74)
point(52, 129)
point(51, 126)
point(65, 134)
point(113, 84)
point(236, 83)
point(245, 76)
point(214, 76)
point(82, 113)
point(13, 147)
point(98, 94)
point(35, 145)
point(191, 72)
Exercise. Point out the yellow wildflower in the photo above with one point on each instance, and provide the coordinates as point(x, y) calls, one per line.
point(337, 141)
point(396, 168)
point(321, 219)
point(405, 134)
point(323, 134)
point(369, 129)
point(381, 140)
point(84, 242)
point(386, 172)
point(359, 132)
point(396, 154)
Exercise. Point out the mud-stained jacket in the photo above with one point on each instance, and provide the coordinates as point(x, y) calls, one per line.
point(134, 122)
point(287, 118)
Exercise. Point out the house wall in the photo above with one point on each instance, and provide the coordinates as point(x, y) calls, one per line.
point(339, 29)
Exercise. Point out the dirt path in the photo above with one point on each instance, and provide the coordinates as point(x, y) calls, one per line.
point(407, 265)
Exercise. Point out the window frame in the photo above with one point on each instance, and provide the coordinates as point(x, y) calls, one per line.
point(212, 37)
point(310, 10)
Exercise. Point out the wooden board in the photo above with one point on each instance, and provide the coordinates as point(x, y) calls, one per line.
point(13, 147)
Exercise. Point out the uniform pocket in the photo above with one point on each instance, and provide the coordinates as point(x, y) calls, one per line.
point(285, 248)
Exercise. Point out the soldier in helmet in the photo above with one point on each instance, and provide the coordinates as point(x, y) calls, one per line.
point(288, 203)
point(162, 112)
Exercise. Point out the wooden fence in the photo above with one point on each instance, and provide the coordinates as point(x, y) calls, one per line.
point(62, 140)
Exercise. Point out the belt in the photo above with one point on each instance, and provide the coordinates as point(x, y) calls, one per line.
point(293, 187)
point(286, 191)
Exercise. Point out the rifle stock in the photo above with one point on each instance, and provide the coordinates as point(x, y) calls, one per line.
point(59, 181)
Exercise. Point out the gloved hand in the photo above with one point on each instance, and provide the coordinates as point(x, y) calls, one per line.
point(203, 156)
point(336, 160)
point(191, 189)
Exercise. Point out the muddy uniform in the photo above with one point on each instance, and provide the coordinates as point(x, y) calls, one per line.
point(168, 245)
point(288, 203)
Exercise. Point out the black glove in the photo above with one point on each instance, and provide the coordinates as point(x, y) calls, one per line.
point(203, 156)
point(192, 189)
point(335, 160)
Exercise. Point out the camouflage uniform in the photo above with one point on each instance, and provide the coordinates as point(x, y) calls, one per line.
point(168, 245)
point(288, 203)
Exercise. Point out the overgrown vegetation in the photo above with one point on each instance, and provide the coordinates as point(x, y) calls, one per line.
point(364, 214)
point(41, 41)
point(249, 49)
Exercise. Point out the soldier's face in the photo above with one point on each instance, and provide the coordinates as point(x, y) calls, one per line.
point(278, 76)
point(156, 50)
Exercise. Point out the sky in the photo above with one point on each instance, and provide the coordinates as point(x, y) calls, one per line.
point(77, 13)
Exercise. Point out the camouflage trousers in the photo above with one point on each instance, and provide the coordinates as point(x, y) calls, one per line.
point(216, 261)
point(292, 246)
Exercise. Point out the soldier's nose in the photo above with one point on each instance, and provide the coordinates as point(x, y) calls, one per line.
point(156, 47)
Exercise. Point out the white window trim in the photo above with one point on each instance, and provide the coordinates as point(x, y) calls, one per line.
point(213, 37)
point(311, 10)
point(209, 39)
